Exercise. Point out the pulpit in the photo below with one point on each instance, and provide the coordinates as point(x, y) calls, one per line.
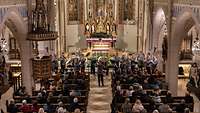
point(41, 68)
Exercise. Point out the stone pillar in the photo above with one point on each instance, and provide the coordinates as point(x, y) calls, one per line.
point(172, 63)
point(116, 10)
point(26, 68)
point(29, 5)
point(61, 17)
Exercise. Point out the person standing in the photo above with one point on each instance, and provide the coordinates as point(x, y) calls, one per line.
point(100, 72)
point(93, 65)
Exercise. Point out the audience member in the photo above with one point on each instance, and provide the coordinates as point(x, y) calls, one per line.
point(181, 107)
point(188, 98)
point(25, 108)
point(169, 97)
point(74, 104)
point(137, 107)
point(126, 107)
point(164, 108)
point(35, 108)
point(12, 108)
point(41, 110)
point(78, 111)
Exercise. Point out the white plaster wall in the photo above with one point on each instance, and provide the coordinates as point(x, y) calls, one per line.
point(72, 37)
point(130, 37)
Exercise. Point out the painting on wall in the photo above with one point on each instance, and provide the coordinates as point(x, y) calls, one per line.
point(75, 11)
point(126, 10)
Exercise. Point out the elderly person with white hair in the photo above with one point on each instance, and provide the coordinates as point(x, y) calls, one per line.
point(25, 108)
point(12, 108)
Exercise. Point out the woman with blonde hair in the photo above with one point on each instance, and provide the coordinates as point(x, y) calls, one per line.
point(78, 111)
point(137, 107)
point(41, 110)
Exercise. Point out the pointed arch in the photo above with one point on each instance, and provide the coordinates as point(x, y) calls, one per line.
point(15, 22)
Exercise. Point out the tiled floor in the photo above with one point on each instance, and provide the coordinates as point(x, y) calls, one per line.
point(100, 97)
point(182, 90)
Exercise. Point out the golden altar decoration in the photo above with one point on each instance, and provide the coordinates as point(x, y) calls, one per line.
point(103, 24)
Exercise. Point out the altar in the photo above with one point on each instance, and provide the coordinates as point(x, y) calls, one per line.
point(101, 46)
point(101, 32)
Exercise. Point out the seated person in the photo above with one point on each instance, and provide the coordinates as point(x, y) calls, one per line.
point(164, 108)
point(130, 92)
point(48, 108)
point(125, 93)
point(181, 107)
point(137, 107)
point(155, 111)
point(153, 83)
point(12, 108)
point(146, 84)
point(25, 108)
point(169, 97)
point(74, 104)
point(35, 108)
point(75, 93)
point(78, 111)
point(21, 92)
point(60, 98)
point(41, 110)
point(126, 106)
point(188, 98)
point(156, 96)
point(60, 108)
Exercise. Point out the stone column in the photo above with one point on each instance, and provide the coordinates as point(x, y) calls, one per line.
point(172, 63)
point(116, 10)
point(29, 5)
point(61, 17)
point(27, 79)
point(51, 15)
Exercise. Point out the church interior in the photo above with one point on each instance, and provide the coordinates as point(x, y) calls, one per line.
point(99, 56)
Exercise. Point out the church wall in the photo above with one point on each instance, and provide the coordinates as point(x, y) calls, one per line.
point(130, 37)
point(72, 37)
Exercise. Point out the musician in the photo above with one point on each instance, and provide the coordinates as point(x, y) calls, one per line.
point(100, 72)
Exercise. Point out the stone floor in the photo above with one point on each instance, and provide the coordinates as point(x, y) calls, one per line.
point(182, 90)
point(100, 97)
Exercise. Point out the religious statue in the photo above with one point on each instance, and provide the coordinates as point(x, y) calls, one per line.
point(108, 28)
point(93, 28)
point(114, 28)
point(100, 26)
point(39, 16)
point(87, 27)
point(164, 48)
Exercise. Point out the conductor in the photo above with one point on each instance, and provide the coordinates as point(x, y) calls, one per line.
point(100, 72)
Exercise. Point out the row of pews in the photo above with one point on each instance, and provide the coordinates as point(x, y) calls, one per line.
point(70, 83)
point(147, 102)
